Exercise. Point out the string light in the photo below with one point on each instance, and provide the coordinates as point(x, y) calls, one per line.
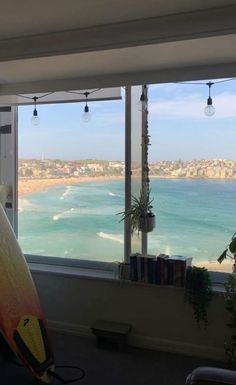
point(86, 115)
point(35, 118)
point(142, 103)
point(209, 110)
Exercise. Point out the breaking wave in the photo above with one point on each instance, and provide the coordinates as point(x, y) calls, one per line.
point(112, 237)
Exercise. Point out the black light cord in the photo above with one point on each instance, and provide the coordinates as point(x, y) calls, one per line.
point(84, 93)
point(38, 97)
point(201, 83)
point(69, 380)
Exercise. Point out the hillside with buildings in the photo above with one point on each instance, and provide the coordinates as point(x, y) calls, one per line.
point(57, 168)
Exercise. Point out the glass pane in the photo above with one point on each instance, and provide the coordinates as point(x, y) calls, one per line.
point(71, 181)
point(193, 171)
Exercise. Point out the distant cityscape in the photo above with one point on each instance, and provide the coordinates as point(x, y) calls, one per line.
point(58, 168)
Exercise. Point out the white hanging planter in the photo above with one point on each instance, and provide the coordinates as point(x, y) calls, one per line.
point(147, 223)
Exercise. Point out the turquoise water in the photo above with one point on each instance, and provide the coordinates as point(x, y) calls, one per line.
point(194, 218)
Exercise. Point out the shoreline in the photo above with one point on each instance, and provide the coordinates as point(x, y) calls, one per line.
point(30, 186)
point(225, 267)
point(190, 178)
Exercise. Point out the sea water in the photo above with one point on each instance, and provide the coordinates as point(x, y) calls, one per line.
point(193, 218)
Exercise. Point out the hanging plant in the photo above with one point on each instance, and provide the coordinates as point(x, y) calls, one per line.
point(230, 301)
point(198, 292)
point(140, 214)
point(230, 305)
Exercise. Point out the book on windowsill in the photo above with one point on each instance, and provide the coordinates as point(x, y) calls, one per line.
point(159, 270)
point(181, 263)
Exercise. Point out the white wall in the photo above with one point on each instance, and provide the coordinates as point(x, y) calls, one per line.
point(159, 316)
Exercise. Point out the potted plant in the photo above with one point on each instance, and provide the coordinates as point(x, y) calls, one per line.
point(198, 292)
point(140, 214)
point(230, 301)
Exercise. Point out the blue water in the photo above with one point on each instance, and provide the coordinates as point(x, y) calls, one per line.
point(194, 218)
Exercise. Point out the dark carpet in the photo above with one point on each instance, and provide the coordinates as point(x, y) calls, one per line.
point(108, 366)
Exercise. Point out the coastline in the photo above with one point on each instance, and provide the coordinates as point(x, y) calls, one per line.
point(29, 186)
point(225, 267)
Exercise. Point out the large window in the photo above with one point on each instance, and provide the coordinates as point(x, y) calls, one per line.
point(71, 181)
point(71, 176)
point(193, 171)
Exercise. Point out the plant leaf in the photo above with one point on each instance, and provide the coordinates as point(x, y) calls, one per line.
point(222, 256)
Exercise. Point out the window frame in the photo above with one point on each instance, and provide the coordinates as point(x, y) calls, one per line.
point(218, 278)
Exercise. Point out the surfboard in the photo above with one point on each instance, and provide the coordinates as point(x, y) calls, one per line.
point(22, 320)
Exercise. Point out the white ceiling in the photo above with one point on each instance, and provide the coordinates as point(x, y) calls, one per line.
point(56, 45)
point(149, 57)
point(27, 17)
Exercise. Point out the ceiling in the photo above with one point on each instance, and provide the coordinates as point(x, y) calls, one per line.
point(27, 17)
point(57, 45)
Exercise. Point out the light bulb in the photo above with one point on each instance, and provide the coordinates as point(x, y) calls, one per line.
point(86, 115)
point(35, 118)
point(209, 110)
point(141, 105)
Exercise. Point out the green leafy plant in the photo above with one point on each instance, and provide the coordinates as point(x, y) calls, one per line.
point(230, 252)
point(198, 292)
point(140, 214)
point(230, 305)
point(230, 301)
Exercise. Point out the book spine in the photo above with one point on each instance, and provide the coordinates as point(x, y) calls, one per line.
point(139, 269)
point(170, 272)
point(145, 269)
point(149, 270)
point(179, 273)
point(142, 266)
point(158, 273)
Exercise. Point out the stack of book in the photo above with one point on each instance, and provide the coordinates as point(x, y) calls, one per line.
point(159, 270)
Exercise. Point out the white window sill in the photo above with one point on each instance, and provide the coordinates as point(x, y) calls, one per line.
point(72, 271)
point(93, 273)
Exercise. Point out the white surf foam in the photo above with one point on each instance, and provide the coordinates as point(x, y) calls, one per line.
point(112, 237)
point(114, 195)
point(68, 191)
point(168, 250)
point(65, 214)
point(25, 205)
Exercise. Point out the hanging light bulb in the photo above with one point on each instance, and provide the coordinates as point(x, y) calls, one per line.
point(35, 118)
point(141, 105)
point(86, 115)
point(209, 109)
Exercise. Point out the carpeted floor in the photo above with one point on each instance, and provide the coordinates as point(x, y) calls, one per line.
point(110, 367)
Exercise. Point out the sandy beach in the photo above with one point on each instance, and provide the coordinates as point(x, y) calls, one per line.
point(224, 267)
point(28, 186)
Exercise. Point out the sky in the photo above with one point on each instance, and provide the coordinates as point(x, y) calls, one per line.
point(177, 125)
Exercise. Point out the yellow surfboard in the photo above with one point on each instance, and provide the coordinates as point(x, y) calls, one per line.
point(22, 321)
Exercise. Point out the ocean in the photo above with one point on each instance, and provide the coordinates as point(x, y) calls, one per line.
point(194, 218)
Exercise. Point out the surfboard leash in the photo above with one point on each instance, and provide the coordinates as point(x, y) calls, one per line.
point(69, 380)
